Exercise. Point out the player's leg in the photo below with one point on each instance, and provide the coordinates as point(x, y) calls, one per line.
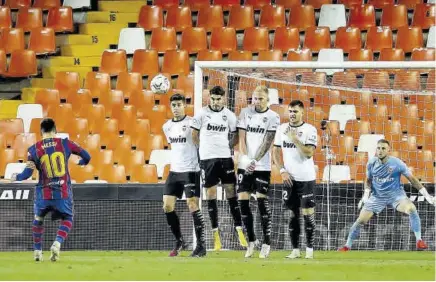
point(262, 181)
point(41, 209)
point(245, 184)
point(406, 206)
point(292, 201)
point(64, 210)
point(228, 180)
point(308, 210)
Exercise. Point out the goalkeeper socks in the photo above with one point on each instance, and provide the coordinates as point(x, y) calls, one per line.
point(64, 229)
point(415, 224)
point(247, 217)
point(173, 222)
point(309, 227)
point(265, 215)
point(294, 230)
point(37, 231)
point(199, 227)
point(234, 210)
point(354, 233)
point(212, 208)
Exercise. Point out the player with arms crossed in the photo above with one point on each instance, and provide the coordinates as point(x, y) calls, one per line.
point(257, 126)
point(53, 192)
point(297, 141)
point(183, 177)
point(212, 125)
point(382, 188)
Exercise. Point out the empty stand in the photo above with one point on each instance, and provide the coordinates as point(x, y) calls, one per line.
point(144, 174)
point(163, 39)
point(131, 39)
point(60, 19)
point(12, 39)
point(150, 17)
point(114, 61)
point(378, 38)
point(362, 16)
point(302, 17)
point(286, 38)
point(332, 16)
point(241, 17)
point(176, 62)
point(210, 17)
point(409, 38)
point(179, 17)
point(272, 17)
point(223, 39)
point(424, 15)
point(145, 62)
point(42, 41)
point(194, 39)
point(348, 38)
point(22, 64)
point(29, 18)
point(256, 39)
point(66, 82)
point(5, 17)
point(317, 38)
point(394, 16)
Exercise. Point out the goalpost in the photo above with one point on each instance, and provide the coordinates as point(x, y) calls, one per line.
point(352, 104)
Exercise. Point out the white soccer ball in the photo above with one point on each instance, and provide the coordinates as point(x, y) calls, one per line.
point(160, 84)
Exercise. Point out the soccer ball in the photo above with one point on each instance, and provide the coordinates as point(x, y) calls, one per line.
point(160, 84)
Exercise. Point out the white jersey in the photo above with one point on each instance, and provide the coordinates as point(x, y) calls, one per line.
point(257, 124)
point(299, 167)
point(183, 151)
point(214, 130)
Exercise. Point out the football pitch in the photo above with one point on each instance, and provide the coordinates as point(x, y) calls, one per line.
point(225, 265)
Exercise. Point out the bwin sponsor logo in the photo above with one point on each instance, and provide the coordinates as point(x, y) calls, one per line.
point(256, 129)
point(288, 145)
point(178, 139)
point(219, 128)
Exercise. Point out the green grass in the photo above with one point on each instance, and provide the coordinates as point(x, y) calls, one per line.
point(226, 265)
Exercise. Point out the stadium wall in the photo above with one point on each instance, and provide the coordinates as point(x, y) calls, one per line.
point(130, 217)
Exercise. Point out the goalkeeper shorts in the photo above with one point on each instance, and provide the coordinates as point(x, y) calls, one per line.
point(378, 204)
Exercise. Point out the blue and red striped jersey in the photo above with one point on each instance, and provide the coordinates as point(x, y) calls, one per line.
point(50, 156)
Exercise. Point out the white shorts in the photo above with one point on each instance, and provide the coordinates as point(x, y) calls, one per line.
point(378, 204)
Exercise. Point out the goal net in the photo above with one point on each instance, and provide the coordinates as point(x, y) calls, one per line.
point(353, 105)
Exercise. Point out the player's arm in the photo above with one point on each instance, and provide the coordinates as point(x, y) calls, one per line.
point(418, 185)
point(196, 125)
point(234, 139)
point(308, 148)
point(234, 134)
point(265, 146)
point(242, 144)
point(278, 160)
point(28, 170)
point(79, 151)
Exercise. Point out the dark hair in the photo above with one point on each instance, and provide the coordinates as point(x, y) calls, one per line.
point(48, 125)
point(178, 97)
point(294, 103)
point(383, 141)
point(217, 90)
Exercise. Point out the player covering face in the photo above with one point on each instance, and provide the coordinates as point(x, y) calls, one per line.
point(383, 188)
point(183, 177)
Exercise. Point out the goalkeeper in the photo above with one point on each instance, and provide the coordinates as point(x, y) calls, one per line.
point(383, 181)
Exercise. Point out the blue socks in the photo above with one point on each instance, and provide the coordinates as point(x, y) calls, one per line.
point(415, 224)
point(354, 233)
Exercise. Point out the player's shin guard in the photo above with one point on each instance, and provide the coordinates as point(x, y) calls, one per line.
point(212, 208)
point(265, 214)
point(294, 229)
point(174, 223)
point(37, 232)
point(64, 228)
point(354, 233)
point(415, 224)
point(199, 227)
point(247, 217)
point(309, 228)
point(234, 210)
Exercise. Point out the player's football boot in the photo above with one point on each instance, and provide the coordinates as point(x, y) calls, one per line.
point(200, 251)
point(344, 249)
point(250, 249)
point(37, 255)
point(241, 237)
point(421, 245)
point(295, 254)
point(177, 249)
point(309, 253)
point(264, 251)
point(216, 240)
point(55, 251)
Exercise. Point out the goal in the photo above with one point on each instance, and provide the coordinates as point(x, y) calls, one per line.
point(353, 105)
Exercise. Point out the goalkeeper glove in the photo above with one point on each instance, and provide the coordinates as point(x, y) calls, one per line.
point(427, 196)
point(364, 198)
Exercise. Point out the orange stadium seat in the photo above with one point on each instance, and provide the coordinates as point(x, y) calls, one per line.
point(63, 115)
point(144, 174)
point(132, 159)
point(288, 3)
point(16, 4)
point(317, 38)
point(139, 130)
point(47, 98)
point(98, 83)
point(194, 39)
point(2, 141)
point(394, 16)
point(302, 17)
point(123, 142)
point(21, 144)
point(179, 18)
point(379, 113)
point(258, 4)
point(3, 62)
point(81, 173)
point(270, 55)
point(163, 39)
point(42, 41)
point(423, 54)
point(318, 3)
point(424, 15)
point(112, 102)
point(197, 5)
point(46, 4)
point(145, 62)
point(154, 142)
point(223, 39)
point(126, 116)
point(325, 101)
point(210, 17)
point(409, 3)
point(60, 19)
point(362, 16)
point(100, 159)
point(227, 4)
point(186, 83)
point(166, 3)
point(12, 39)
point(6, 156)
point(356, 128)
point(113, 174)
point(431, 83)
point(66, 82)
point(113, 62)
point(166, 172)
point(240, 56)
point(407, 80)
point(272, 17)
point(376, 80)
point(129, 83)
point(304, 54)
point(348, 38)
point(144, 103)
point(22, 64)
point(255, 39)
point(35, 127)
point(176, 62)
point(92, 144)
point(241, 17)
point(378, 38)
point(360, 55)
point(392, 54)
point(95, 115)
point(108, 131)
point(150, 17)
point(29, 18)
point(5, 17)
point(286, 38)
point(379, 4)
point(346, 148)
point(78, 129)
point(409, 38)
point(158, 115)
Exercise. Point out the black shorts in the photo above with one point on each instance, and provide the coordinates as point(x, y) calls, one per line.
point(179, 182)
point(300, 195)
point(215, 170)
point(258, 181)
